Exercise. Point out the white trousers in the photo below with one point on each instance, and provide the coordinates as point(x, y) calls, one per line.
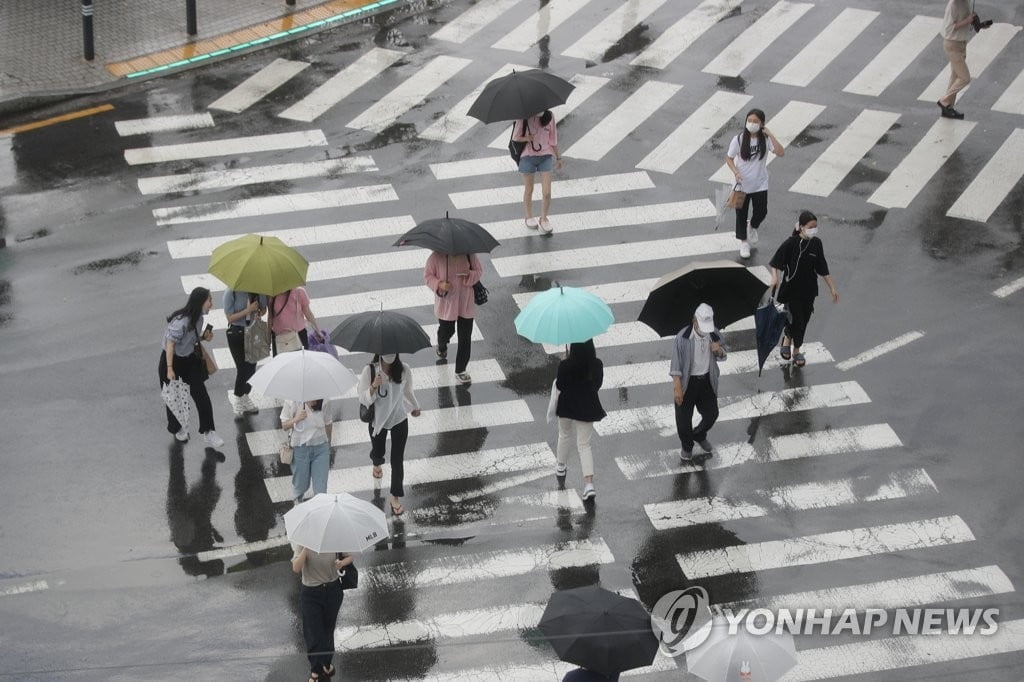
point(584, 432)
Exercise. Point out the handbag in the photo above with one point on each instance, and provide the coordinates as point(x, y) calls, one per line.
point(208, 360)
point(516, 149)
point(367, 412)
point(736, 197)
point(479, 290)
point(321, 343)
point(286, 452)
point(288, 341)
point(257, 341)
point(348, 577)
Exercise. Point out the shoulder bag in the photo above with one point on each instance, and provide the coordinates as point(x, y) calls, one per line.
point(367, 412)
point(207, 357)
point(348, 577)
point(516, 149)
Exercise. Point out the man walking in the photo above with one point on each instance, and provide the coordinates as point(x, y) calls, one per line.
point(695, 380)
point(956, 31)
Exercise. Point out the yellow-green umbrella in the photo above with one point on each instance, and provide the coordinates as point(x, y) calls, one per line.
point(258, 265)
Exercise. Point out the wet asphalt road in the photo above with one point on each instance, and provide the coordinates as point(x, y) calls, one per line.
point(100, 504)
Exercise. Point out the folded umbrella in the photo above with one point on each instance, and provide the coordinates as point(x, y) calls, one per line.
point(380, 332)
point(258, 264)
point(175, 394)
point(722, 193)
point(303, 375)
point(563, 315)
point(520, 94)
point(599, 630)
point(769, 322)
point(730, 288)
point(336, 522)
point(450, 236)
point(723, 657)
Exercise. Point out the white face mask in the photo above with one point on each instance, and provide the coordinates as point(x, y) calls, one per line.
point(753, 127)
point(810, 232)
point(388, 359)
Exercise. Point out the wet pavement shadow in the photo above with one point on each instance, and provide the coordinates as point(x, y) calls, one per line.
point(190, 511)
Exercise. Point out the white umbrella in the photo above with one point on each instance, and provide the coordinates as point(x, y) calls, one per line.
point(303, 375)
point(336, 522)
point(723, 657)
point(722, 193)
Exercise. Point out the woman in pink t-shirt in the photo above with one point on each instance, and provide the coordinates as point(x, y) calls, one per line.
point(540, 156)
point(289, 312)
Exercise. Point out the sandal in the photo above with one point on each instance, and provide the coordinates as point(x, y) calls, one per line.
point(313, 677)
point(396, 508)
point(799, 360)
point(329, 671)
point(785, 351)
point(378, 472)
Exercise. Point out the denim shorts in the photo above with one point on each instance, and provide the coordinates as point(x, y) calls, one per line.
point(536, 164)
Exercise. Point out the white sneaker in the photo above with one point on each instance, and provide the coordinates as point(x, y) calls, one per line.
point(212, 439)
point(532, 223)
point(247, 404)
point(752, 235)
point(588, 491)
point(182, 435)
point(464, 378)
point(545, 226)
point(744, 250)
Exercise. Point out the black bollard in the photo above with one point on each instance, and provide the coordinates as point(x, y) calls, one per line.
point(190, 17)
point(88, 46)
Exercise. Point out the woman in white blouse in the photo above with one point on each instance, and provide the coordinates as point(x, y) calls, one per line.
point(308, 426)
point(390, 392)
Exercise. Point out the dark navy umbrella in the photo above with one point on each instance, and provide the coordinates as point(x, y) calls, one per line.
point(769, 322)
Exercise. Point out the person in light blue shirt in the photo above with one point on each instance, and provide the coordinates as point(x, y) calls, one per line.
point(241, 309)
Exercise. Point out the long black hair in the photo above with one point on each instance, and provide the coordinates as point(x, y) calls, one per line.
point(762, 148)
point(193, 308)
point(582, 357)
point(397, 368)
point(805, 217)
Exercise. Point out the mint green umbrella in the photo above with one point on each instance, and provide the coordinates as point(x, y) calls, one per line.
point(563, 315)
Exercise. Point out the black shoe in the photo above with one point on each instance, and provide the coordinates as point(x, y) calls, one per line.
point(706, 446)
point(686, 456)
point(442, 351)
point(949, 112)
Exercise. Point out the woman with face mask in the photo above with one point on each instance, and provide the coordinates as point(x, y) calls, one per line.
point(747, 158)
point(801, 260)
point(386, 383)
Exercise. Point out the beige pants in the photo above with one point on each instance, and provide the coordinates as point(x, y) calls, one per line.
point(959, 76)
point(584, 432)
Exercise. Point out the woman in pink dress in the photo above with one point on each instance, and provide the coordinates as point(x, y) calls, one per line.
point(451, 278)
point(541, 155)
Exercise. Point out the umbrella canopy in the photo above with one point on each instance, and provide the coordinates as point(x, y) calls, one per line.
point(520, 94)
point(728, 287)
point(563, 315)
point(741, 656)
point(303, 375)
point(450, 236)
point(380, 332)
point(599, 630)
point(175, 394)
point(336, 522)
point(769, 321)
point(258, 265)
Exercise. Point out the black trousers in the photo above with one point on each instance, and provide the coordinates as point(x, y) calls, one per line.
point(319, 607)
point(760, 202)
point(243, 370)
point(192, 371)
point(446, 329)
point(303, 339)
point(399, 435)
point(800, 310)
point(701, 396)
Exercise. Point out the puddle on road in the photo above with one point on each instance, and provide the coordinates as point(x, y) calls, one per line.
point(112, 265)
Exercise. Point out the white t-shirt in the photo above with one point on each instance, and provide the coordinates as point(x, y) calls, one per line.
point(700, 360)
point(753, 171)
point(311, 430)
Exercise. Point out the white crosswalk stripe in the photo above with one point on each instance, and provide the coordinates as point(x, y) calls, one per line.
point(225, 147)
point(993, 183)
point(628, 116)
point(667, 47)
point(162, 124)
point(341, 85)
point(522, 35)
point(985, 47)
point(259, 85)
point(238, 177)
point(619, 21)
point(412, 91)
point(1012, 99)
point(756, 39)
point(683, 142)
point(456, 121)
point(824, 48)
point(512, 194)
point(923, 161)
point(895, 57)
point(469, 22)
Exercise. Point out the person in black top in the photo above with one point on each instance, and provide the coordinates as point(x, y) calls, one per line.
point(801, 260)
point(579, 378)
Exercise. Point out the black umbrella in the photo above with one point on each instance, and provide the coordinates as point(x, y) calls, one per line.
point(769, 322)
point(728, 287)
point(450, 236)
point(599, 630)
point(382, 332)
point(520, 94)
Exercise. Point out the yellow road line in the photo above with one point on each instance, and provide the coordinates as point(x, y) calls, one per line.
point(57, 119)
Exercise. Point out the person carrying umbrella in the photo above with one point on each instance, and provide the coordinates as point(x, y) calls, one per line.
point(181, 359)
point(308, 425)
point(386, 384)
point(801, 259)
point(319, 603)
point(579, 379)
point(540, 155)
point(241, 309)
point(451, 278)
point(695, 380)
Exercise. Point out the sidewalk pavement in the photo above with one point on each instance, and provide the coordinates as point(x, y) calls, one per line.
point(41, 48)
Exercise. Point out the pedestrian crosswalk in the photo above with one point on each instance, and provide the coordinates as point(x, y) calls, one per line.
point(624, 139)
